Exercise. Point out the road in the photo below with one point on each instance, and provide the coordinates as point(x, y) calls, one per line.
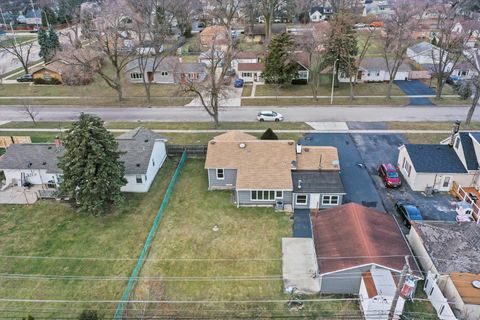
point(231, 114)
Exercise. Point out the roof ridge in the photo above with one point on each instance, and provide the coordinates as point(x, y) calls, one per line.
point(357, 209)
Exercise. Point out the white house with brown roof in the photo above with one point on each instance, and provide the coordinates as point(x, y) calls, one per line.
point(264, 172)
point(251, 72)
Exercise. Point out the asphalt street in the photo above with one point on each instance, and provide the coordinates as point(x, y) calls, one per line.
point(191, 114)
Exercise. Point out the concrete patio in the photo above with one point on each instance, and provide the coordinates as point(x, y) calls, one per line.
point(19, 195)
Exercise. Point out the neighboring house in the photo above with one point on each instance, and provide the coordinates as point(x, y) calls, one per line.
point(424, 53)
point(21, 19)
point(214, 36)
point(163, 73)
point(375, 70)
point(49, 71)
point(245, 57)
point(33, 17)
point(251, 72)
point(451, 251)
point(263, 172)
point(437, 166)
point(318, 13)
point(256, 33)
point(217, 56)
point(37, 163)
point(377, 8)
point(190, 72)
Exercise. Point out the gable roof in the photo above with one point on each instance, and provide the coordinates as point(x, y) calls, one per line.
point(468, 151)
point(166, 64)
point(434, 158)
point(259, 29)
point(234, 136)
point(422, 47)
point(190, 68)
point(57, 66)
point(452, 246)
point(214, 34)
point(251, 66)
point(317, 182)
point(351, 230)
point(377, 63)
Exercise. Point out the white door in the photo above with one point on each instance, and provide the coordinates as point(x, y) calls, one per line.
point(314, 201)
point(445, 183)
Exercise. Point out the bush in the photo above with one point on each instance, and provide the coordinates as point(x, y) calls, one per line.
point(52, 81)
point(269, 135)
point(464, 91)
point(89, 315)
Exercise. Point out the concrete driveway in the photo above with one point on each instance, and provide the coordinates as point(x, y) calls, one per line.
point(377, 149)
point(357, 182)
point(416, 88)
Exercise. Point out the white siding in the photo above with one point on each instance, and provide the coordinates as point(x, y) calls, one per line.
point(35, 176)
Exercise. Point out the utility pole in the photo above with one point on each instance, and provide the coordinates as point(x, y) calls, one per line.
point(401, 282)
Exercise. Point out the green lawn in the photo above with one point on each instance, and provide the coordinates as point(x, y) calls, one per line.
point(50, 228)
point(247, 90)
point(361, 89)
point(417, 309)
point(323, 102)
point(247, 234)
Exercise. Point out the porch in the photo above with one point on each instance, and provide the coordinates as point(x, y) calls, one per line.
point(20, 195)
point(469, 195)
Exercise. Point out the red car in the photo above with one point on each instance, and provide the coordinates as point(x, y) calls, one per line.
point(389, 175)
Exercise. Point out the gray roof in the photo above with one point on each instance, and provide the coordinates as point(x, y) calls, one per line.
point(422, 47)
point(34, 156)
point(434, 158)
point(469, 151)
point(452, 246)
point(259, 29)
point(317, 182)
point(377, 63)
point(137, 145)
point(166, 64)
point(190, 68)
point(33, 14)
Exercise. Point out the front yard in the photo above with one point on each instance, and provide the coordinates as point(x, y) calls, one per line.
point(53, 229)
point(239, 262)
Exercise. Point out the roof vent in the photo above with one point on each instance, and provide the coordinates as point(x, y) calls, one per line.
point(212, 142)
point(49, 147)
point(44, 163)
point(476, 284)
point(299, 148)
point(242, 145)
point(138, 165)
point(146, 140)
point(300, 184)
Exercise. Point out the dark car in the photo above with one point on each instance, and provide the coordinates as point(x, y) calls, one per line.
point(238, 83)
point(25, 78)
point(389, 175)
point(408, 212)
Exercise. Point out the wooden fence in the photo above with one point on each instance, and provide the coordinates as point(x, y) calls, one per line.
point(193, 150)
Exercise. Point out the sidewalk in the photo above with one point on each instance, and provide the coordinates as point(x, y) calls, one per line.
point(328, 97)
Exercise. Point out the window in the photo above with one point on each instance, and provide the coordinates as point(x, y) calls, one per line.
point(368, 74)
point(136, 75)
point(329, 200)
point(278, 194)
point(262, 195)
point(463, 72)
point(408, 167)
point(193, 76)
point(246, 74)
point(378, 73)
point(139, 178)
point(302, 74)
point(220, 174)
point(164, 73)
point(446, 182)
point(457, 143)
point(153, 162)
point(301, 199)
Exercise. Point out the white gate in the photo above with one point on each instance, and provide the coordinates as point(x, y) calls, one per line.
point(436, 297)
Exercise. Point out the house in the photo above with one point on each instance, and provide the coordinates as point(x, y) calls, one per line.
point(215, 56)
point(377, 8)
point(320, 13)
point(51, 70)
point(190, 72)
point(274, 172)
point(251, 72)
point(256, 33)
point(424, 53)
point(375, 70)
point(214, 36)
point(450, 251)
point(163, 73)
point(437, 166)
point(37, 163)
point(245, 57)
point(33, 17)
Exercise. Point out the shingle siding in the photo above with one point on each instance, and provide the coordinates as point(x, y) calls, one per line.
point(227, 183)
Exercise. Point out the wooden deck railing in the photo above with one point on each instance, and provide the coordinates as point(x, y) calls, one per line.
point(463, 195)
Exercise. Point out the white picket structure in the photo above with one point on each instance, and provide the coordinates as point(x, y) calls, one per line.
point(436, 297)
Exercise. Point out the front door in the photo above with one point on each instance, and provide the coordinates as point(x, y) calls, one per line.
point(314, 201)
point(255, 79)
point(150, 76)
point(359, 75)
point(445, 183)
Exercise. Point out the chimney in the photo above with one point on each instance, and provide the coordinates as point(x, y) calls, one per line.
point(455, 129)
point(299, 148)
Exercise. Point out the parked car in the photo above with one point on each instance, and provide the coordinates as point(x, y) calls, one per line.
point(238, 83)
point(25, 78)
point(408, 213)
point(454, 80)
point(269, 116)
point(389, 175)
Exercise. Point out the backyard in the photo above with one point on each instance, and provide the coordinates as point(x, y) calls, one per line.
point(54, 229)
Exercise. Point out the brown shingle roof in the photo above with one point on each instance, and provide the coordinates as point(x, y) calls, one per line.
point(251, 66)
point(316, 158)
point(260, 164)
point(214, 34)
point(234, 136)
point(463, 283)
point(357, 236)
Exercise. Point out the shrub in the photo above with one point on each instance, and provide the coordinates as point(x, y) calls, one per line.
point(269, 135)
point(52, 81)
point(464, 91)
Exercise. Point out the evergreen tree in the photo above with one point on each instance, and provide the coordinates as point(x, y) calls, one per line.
point(92, 171)
point(49, 43)
point(53, 41)
point(269, 135)
point(280, 64)
point(43, 43)
point(48, 15)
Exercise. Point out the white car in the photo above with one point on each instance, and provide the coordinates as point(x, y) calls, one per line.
point(269, 116)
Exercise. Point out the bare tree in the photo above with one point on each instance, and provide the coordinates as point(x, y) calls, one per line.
point(219, 62)
point(182, 12)
point(113, 30)
point(20, 51)
point(30, 112)
point(474, 60)
point(399, 35)
point(268, 8)
point(451, 41)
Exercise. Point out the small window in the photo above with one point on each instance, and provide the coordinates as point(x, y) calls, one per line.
point(220, 174)
point(330, 200)
point(278, 194)
point(139, 178)
point(457, 143)
point(153, 162)
point(301, 199)
point(164, 73)
point(378, 73)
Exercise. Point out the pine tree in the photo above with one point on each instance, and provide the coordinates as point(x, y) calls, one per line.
point(92, 171)
point(53, 41)
point(48, 15)
point(43, 43)
point(269, 135)
point(49, 43)
point(280, 64)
